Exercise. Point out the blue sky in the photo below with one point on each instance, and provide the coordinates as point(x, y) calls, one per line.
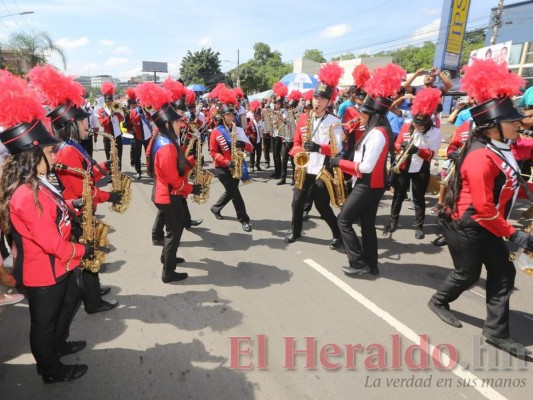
point(115, 36)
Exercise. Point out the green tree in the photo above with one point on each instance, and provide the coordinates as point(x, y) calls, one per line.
point(345, 56)
point(202, 67)
point(314, 55)
point(35, 48)
point(473, 40)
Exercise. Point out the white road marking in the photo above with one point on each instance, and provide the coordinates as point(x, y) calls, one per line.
point(403, 329)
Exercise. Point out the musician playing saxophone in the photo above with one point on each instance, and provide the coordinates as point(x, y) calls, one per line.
point(220, 150)
point(312, 136)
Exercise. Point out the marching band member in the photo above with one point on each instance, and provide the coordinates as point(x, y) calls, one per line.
point(255, 130)
point(479, 200)
point(240, 110)
point(68, 121)
point(220, 150)
point(369, 171)
point(37, 217)
point(110, 120)
point(279, 117)
point(316, 143)
point(419, 141)
point(168, 165)
point(290, 128)
point(267, 116)
point(142, 132)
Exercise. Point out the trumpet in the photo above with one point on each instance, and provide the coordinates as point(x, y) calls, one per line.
point(116, 107)
point(403, 156)
point(148, 109)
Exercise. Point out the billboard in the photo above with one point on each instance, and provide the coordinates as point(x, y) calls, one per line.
point(155, 66)
point(455, 34)
point(497, 52)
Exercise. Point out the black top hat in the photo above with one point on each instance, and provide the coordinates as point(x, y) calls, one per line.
point(165, 114)
point(65, 113)
point(421, 119)
point(108, 97)
point(132, 101)
point(352, 89)
point(181, 104)
point(324, 90)
point(500, 109)
point(26, 136)
point(376, 105)
point(227, 108)
point(257, 111)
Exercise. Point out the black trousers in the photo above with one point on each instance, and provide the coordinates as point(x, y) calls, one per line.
point(90, 290)
point(320, 197)
point(471, 248)
point(158, 228)
point(232, 193)
point(136, 152)
point(420, 181)
point(255, 155)
point(52, 309)
point(362, 203)
point(285, 157)
point(277, 143)
point(173, 216)
point(107, 149)
point(267, 141)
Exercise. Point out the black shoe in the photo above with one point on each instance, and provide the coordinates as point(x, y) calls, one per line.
point(391, 228)
point(104, 290)
point(104, 305)
point(246, 227)
point(440, 241)
point(293, 182)
point(72, 347)
point(335, 244)
point(291, 238)
point(138, 177)
point(274, 176)
point(178, 260)
point(282, 182)
point(173, 276)
point(419, 234)
point(158, 242)
point(66, 373)
point(258, 168)
point(444, 314)
point(363, 272)
point(217, 214)
point(196, 222)
point(508, 345)
point(305, 216)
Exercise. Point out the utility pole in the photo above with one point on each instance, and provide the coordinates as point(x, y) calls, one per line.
point(496, 22)
point(238, 70)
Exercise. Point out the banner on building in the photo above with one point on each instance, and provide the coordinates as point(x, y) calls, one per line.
point(497, 52)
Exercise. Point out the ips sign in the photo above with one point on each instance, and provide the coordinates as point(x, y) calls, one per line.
point(456, 33)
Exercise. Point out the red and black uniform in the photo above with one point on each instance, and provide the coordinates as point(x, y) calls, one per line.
point(460, 136)
point(254, 131)
point(110, 121)
point(220, 151)
point(45, 260)
point(476, 230)
point(142, 132)
point(369, 172)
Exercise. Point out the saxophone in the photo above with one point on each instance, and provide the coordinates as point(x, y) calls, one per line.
point(237, 156)
point(335, 184)
point(451, 169)
point(403, 156)
point(301, 160)
point(94, 230)
point(201, 177)
point(523, 259)
point(120, 182)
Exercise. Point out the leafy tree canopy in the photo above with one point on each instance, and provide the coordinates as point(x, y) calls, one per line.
point(201, 67)
point(314, 55)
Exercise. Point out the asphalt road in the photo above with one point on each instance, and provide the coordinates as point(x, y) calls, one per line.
point(230, 330)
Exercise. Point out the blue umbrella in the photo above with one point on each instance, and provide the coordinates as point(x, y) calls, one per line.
point(196, 87)
point(299, 81)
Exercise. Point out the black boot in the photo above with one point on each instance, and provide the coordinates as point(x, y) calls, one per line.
point(171, 276)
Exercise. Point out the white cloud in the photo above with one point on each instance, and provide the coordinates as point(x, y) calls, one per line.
point(127, 74)
point(72, 44)
point(427, 32)
point(116, 61)
point(335, 31)
point(431, 11)
point(105, 42)
point(122, 50)
point(205, 41)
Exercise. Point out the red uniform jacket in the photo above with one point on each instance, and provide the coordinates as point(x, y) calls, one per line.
point(105, 121)
point(220, 150)
point(44, 248)
point(460, 136)
point(167, 180)
point(300, 136)
point(71, 182)
point(136, 122)
point(251, 132)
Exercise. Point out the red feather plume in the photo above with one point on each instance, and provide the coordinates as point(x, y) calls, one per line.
point(152, 95)
point(360, 75)
point(108, 88)
point(254, 104)
point(218, 88)
point(175, 88)
point(426, 101)
point(330, 74)
point(55, 87)
point(386, 81)
point(280, 90)
point(309, 95)
point(227, 96)
point(18, 102)
point(130, 92)
point(295, 95)
point(238, 92)
point(485, 80)
point(190, 97)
